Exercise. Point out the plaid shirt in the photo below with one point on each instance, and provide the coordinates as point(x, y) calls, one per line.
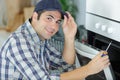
point(25, 56)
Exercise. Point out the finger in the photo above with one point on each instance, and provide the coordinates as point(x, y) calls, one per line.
point(107, 64)
point(71, 20)
point(105, 59)
point(69, 16)
point(98, 56)
point(103, 53)
point(65, 21)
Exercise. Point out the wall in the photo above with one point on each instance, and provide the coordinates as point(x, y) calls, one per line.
point(3, 18)
point(81, 12)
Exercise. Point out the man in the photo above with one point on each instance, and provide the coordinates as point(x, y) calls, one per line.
point(27, 53)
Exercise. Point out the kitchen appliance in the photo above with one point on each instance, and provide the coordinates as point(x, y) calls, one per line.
point(102, 24)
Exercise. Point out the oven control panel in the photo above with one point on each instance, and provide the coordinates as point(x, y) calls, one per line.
point(103, 26)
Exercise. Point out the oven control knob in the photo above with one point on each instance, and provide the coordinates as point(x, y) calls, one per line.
point(110, 30)
point(97, 25)
point(103, 27)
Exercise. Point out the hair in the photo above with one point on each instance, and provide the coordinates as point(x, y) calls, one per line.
point(39, 14)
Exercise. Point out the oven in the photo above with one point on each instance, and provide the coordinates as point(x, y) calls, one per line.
point(102, 25)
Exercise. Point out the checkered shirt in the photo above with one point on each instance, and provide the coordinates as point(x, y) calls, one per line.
point(24, 56)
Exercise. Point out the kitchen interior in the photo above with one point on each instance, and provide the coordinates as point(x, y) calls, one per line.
point(98, 29)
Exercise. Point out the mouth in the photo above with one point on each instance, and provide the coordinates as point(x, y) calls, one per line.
point(49, 31)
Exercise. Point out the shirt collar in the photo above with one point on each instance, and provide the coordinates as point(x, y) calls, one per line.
point(33, 33)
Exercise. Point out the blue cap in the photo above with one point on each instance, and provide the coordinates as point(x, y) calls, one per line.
point(49, 5)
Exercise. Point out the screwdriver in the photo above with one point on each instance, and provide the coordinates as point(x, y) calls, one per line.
point(107, 48)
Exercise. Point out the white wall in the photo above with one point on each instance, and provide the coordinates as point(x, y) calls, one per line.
point(34, 2)
point(3, 36)
point(81, 12)
point(3, 19)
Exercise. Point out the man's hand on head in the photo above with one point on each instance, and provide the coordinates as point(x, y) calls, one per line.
point(69, 26)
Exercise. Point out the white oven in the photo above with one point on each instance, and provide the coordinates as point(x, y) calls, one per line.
point(102, 23)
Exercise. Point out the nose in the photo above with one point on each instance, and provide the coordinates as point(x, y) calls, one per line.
point(54, 25)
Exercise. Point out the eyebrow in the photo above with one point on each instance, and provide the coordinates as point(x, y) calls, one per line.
point(54, 18)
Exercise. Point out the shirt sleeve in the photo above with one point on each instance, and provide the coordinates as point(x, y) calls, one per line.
point(23, 56)
point(58, 62)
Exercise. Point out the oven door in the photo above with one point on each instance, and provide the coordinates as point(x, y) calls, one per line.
point(84, 54)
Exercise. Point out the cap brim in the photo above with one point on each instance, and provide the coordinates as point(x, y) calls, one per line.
point(62, 12)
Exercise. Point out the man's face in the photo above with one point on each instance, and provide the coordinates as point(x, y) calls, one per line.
point(48, 24)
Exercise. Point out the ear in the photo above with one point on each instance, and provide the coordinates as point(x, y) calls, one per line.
point(34, 17)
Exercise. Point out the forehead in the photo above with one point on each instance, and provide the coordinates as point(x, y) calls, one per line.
point(55, 14)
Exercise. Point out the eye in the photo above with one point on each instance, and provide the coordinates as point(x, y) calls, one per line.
point(58, 22)
point(49, 18)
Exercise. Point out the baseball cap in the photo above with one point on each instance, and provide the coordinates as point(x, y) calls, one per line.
point(49, 5)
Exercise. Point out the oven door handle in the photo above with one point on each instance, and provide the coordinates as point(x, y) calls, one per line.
point(83, 53)
point(85, 50)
